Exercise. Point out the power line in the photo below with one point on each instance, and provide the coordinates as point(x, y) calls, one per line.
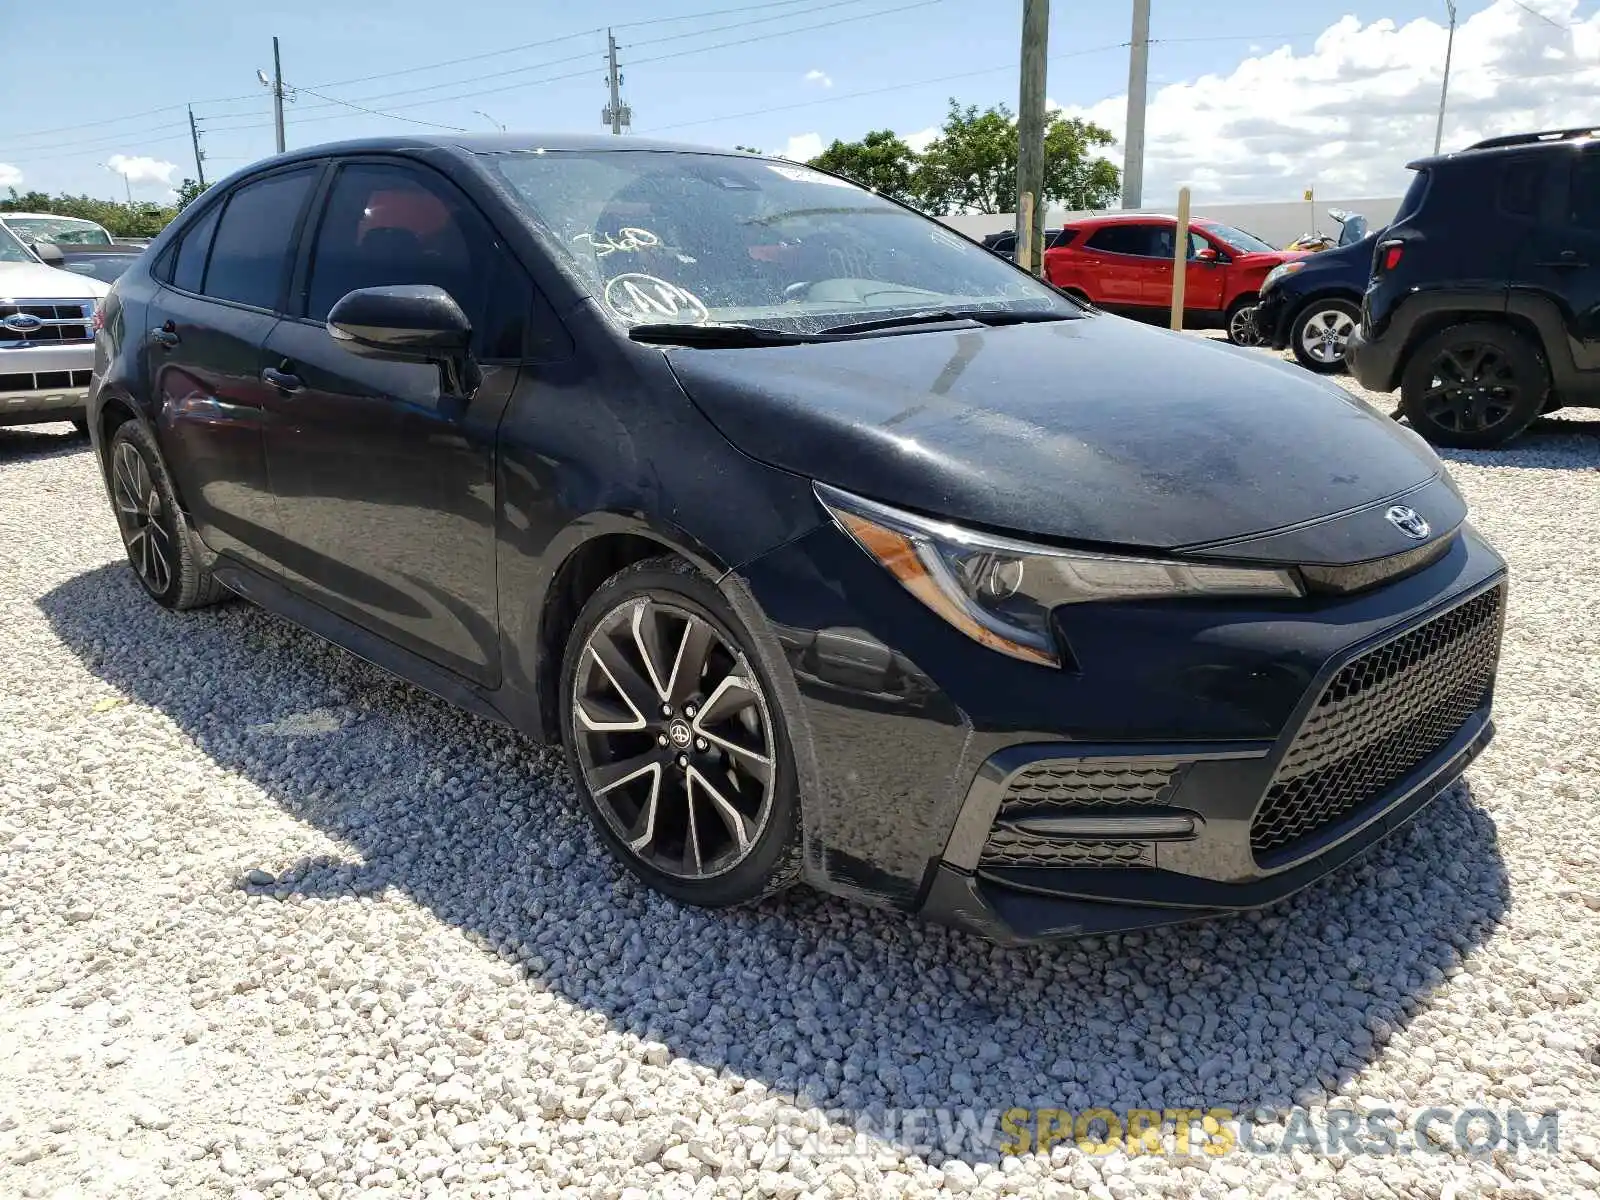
point(884, 12)
point(1547, 20)
point(893, 87)
point(379, 113)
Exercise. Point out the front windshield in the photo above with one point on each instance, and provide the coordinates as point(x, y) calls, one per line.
point(12, 250)
point(680, 237)
point(65, 231)
point(1238, 239)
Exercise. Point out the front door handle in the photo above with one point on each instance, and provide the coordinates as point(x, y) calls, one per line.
point(165, 335)
point(282, 380)
point(1569, 259)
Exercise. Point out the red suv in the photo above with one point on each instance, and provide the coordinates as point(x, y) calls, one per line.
point(1124, 264)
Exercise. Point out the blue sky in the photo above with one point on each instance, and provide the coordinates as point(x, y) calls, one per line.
point(747, 84)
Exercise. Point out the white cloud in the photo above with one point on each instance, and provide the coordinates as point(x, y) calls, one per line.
point(920, 140)
point(820, 78)
point(9, 176)
point(139, 169)
point(1345, 117)
point(803, 146)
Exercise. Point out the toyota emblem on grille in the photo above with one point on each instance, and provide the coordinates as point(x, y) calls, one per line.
point(22, 323)
point(1408, 521)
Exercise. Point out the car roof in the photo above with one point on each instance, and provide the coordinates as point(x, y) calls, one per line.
point(502, 143)
point(1130, 218)
point(1516, 143)
point(47, 217)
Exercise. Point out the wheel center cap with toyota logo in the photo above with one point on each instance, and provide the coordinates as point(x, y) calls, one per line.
point(1408, 521)
point(22, 323)
point(680, 733)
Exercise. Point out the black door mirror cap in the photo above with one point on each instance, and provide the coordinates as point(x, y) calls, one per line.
point(410, 323)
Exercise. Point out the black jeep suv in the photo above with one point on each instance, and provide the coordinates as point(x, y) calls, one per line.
point(1484, 302)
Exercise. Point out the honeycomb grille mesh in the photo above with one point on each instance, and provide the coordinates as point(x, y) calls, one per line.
point(1013, 848)
point(1089, 781)
point(1382, 716)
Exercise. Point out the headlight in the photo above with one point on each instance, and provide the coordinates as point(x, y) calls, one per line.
point(999, 591)
point(1280, 272)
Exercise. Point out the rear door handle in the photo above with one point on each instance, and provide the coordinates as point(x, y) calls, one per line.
point(1568, 259)
point(164, 335)
point(282, 380)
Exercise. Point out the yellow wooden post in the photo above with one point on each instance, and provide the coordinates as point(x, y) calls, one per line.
point(1180, 259)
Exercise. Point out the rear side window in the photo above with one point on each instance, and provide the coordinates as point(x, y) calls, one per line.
point(1140, 240)
point(189, 272)
point(1005, 245)
point(1411, 204)
point(1520, 187)
point(1586, 191)
point(254, 242)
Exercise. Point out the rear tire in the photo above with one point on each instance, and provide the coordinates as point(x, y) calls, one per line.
point(1474, 386)
point(675, 742)
point(1320, 335)
point(161, 549)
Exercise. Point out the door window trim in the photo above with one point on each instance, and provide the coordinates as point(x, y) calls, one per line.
point(320, 167)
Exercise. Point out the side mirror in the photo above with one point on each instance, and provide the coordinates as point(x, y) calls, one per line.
point(49, 253)
point(410, 323)
point(1208, 256)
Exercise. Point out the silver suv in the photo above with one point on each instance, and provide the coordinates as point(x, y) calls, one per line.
point(46, 338)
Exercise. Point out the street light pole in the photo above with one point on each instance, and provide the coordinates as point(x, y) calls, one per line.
point(1444, 88)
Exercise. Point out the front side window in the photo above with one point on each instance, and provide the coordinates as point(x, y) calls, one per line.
point(64, 231)
point(254, 241)
point(387, 225)
point(662, 236)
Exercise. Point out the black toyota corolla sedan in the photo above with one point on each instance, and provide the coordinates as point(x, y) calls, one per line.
point(832, 547)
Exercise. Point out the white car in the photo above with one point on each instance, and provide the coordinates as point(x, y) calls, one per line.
point(46, 338)
point(47, 227)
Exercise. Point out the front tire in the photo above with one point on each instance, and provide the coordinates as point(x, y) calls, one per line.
point(160, 547)
point(1474, 386)
point(1321, 336)
point(1241, 323)
point(677, 748)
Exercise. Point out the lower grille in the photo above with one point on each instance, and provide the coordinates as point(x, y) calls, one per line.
point(1073, 783)
point(43, 381)
point(1013, 848)
point(1382, 716)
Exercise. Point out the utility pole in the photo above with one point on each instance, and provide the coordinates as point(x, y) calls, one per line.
point(1138, 92)
point(277, 94)
point(199, 159)
point(616, 114)
point(1030, 135)
point(1444, 88)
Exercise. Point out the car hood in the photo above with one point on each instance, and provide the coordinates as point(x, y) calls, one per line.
point(1092, 430)
point(33, 281)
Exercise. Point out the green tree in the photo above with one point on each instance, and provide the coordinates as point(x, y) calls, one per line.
point(972, 166)
point(880, 160)
point(139, 219)
point(189, 191)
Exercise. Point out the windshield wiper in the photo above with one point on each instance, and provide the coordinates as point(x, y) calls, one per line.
point(670, 333)
point(945, 316)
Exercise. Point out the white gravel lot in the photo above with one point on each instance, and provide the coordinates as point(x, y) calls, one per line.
point(273, 923)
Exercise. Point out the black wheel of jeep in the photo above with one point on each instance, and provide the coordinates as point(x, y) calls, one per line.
point(678, 748)
point(1321, 334)
point(1474, 386)
point(158, 542)
point(1241, 323)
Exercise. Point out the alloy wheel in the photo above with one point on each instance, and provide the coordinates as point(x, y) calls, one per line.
point(1325, 335)
point(143, 518)
point(674, 737)
point(1242, 329)
point(1471, 388)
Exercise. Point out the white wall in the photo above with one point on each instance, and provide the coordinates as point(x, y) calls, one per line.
point(1277, 223)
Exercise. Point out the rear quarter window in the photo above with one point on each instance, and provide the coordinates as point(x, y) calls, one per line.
point(1064, 238)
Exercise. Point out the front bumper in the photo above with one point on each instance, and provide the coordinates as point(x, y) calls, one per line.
point(910, 739)
point(48, 382)
point(1374, 364)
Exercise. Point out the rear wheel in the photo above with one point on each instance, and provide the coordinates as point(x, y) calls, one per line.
point(1241, 323)
point(680, 755)
point(1474, 386)
point(1321, 336)
point(158, 542)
